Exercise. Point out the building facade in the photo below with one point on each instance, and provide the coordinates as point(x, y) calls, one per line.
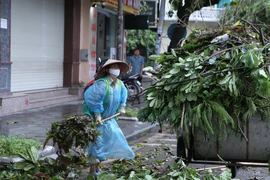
point(51, 44)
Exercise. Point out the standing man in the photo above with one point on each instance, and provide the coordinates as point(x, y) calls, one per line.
point(136, 64)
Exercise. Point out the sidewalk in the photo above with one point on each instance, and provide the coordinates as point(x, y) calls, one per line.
point(35, 123)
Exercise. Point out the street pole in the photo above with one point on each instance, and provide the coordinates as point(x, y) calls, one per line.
point(120, 35)
point(160, 25)
point(160, 28)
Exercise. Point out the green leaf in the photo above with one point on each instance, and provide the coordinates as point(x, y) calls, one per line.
point(225, 175)
point(152, 103)
point(181, 178)
point(160, 83)
point(263, 73)
point(232, 86)
point(189, 74)
point(147, 172)
point(174, 71)
point(167, 88)
point(184, 86)
point(250, 59)
point(173, 52)
point(168, 57)
point(60, 178)
point(154, 57)
point(19, 165)
point(198, 67)
point(150, 97)
point(191, 97)
point(182, 61)
point(167, 76)
point(158, 103)
point(24, 166)
point(33, 154)
point(131, 175)
point(225, 80)
point(106, 176)
point(23, 156)
point(176, 65)
point(251, 110)
point(148, 177)
point(189, 59)
point(221, 113)
point(207, 52)
point(171, 104)
point(175, 114)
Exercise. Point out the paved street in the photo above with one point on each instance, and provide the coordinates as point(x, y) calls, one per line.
point(34, 124)
point(168, 140)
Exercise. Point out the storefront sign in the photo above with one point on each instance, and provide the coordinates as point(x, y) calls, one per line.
point(129, 6)
point(152, 14)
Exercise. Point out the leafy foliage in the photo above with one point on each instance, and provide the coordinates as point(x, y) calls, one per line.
point(12, 145)
point(33, 168)
point(145, 166)
point(76, 130)
point(211, 86)
point(131, 112)
point(145, 38)
point(254, 12)
point(30, 160)
point(178, 171)
point(144, 8)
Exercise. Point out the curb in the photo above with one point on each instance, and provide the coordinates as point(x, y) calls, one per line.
point(43, 153)
point(141, 132)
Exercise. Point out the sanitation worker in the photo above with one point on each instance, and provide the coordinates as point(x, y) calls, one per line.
point(106, 97)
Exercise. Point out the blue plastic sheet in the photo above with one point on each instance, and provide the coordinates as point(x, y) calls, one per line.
point(112, 143)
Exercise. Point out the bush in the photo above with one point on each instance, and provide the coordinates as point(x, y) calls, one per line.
point(12, 145)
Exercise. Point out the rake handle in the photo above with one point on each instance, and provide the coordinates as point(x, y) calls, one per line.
point(108, 118)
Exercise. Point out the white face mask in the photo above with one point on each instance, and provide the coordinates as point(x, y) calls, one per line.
point(114, 72)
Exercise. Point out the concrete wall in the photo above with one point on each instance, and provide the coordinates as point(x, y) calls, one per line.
point(5, 64)
point(85, 39)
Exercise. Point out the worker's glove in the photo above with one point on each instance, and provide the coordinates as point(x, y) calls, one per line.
point(98, 119)
point(122, 110)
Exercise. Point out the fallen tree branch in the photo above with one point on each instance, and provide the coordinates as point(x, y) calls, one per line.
point(258, 32)
point(216, 167)
point(241, 131)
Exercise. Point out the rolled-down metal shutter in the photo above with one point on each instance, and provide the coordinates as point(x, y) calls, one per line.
point(37, 44)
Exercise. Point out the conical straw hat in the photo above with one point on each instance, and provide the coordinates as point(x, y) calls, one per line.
point(102, 71)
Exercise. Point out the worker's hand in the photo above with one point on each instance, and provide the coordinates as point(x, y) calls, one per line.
point(122, 110)
point(98, 119)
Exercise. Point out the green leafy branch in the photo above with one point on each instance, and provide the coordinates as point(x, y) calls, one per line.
point(215, 89)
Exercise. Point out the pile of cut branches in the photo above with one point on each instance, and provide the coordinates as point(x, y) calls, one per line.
point(75, 131)
point(217, 80)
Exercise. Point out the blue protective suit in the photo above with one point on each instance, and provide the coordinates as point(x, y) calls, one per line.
point(111, 142)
